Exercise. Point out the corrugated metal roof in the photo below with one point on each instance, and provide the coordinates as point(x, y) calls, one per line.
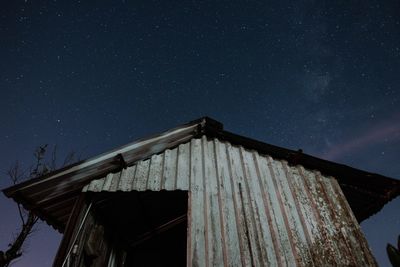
point(52, 196)
point(48, 195)
point(249, 208)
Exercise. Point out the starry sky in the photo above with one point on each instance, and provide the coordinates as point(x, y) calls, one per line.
point(88, 76)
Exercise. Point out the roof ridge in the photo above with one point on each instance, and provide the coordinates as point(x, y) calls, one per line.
point(73, 177)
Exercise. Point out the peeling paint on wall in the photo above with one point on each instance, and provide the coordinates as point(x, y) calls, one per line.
point(250, 209)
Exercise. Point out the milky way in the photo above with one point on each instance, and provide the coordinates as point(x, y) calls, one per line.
point(322, 76)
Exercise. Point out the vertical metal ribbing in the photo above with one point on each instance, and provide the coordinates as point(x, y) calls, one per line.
point(248, 212)
point(324, 245)
point(141, 174)
point(282, 208)
point(221, 205)
point(215, 234)
point(148, 182)
point(176, 168)
point(190, 220)
point(256, 204)
point(309, 256)
point(190, 165)
point(246, 226)
point(242, 240)
point(189, 231)
point(285, 255)
point(166, 168)
point(312, 225)
point(296, 229)
point(322, 201)
point(267, 209)
point(346, 249)
point(162, 178)
point(357, 231)
point(343, 248)
point(234, 250)
point(171, 158)
point(199, 245)
point(205, 204)
point(155, 172)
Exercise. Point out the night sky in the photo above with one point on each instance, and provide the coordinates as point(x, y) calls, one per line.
point(89, 76)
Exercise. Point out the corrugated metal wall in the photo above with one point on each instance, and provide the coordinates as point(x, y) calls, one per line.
point(249, 209)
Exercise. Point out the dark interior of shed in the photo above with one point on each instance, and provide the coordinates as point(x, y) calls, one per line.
point(150, 227)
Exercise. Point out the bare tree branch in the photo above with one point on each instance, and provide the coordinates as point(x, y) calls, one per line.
point(20, 214)
point(29, 219)
point(14, 251)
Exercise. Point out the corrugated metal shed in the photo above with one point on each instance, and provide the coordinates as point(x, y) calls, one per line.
point(250, 201)
point(52, 196)
point(249, 209)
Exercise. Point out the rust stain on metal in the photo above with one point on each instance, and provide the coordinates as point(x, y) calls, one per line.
point(276, 252)
point(249, 209)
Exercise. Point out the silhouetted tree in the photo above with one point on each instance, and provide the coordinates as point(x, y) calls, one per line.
point(40, 167)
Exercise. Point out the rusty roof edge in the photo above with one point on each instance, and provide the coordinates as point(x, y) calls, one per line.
point(194, 128)
point(388, 188)
point(292, 156)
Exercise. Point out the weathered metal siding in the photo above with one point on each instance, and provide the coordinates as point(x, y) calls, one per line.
point(249, 209)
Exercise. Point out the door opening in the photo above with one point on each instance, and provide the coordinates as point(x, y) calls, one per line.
point(147, 228)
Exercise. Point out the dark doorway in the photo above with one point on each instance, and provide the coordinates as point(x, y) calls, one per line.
point(148, 228)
